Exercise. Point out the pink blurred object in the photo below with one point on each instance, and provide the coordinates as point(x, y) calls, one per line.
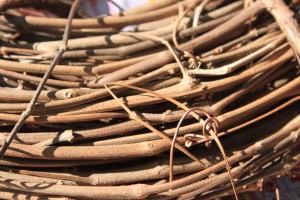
point(101, 7)
point(34, 12)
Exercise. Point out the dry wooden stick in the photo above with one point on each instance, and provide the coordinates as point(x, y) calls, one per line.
point(286, 21)
point(34, 99)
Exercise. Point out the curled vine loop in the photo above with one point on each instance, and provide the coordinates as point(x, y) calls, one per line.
point(192, 138)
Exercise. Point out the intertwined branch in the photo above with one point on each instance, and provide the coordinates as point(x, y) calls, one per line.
point(101, 123)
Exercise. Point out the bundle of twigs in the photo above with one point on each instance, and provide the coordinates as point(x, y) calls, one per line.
point(99, 114)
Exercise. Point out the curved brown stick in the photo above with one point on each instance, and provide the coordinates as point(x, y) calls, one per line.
point(286, 21)
point(214, 124)
point(176, 134)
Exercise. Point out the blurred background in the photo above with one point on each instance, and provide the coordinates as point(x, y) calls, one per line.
point(99, 7)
